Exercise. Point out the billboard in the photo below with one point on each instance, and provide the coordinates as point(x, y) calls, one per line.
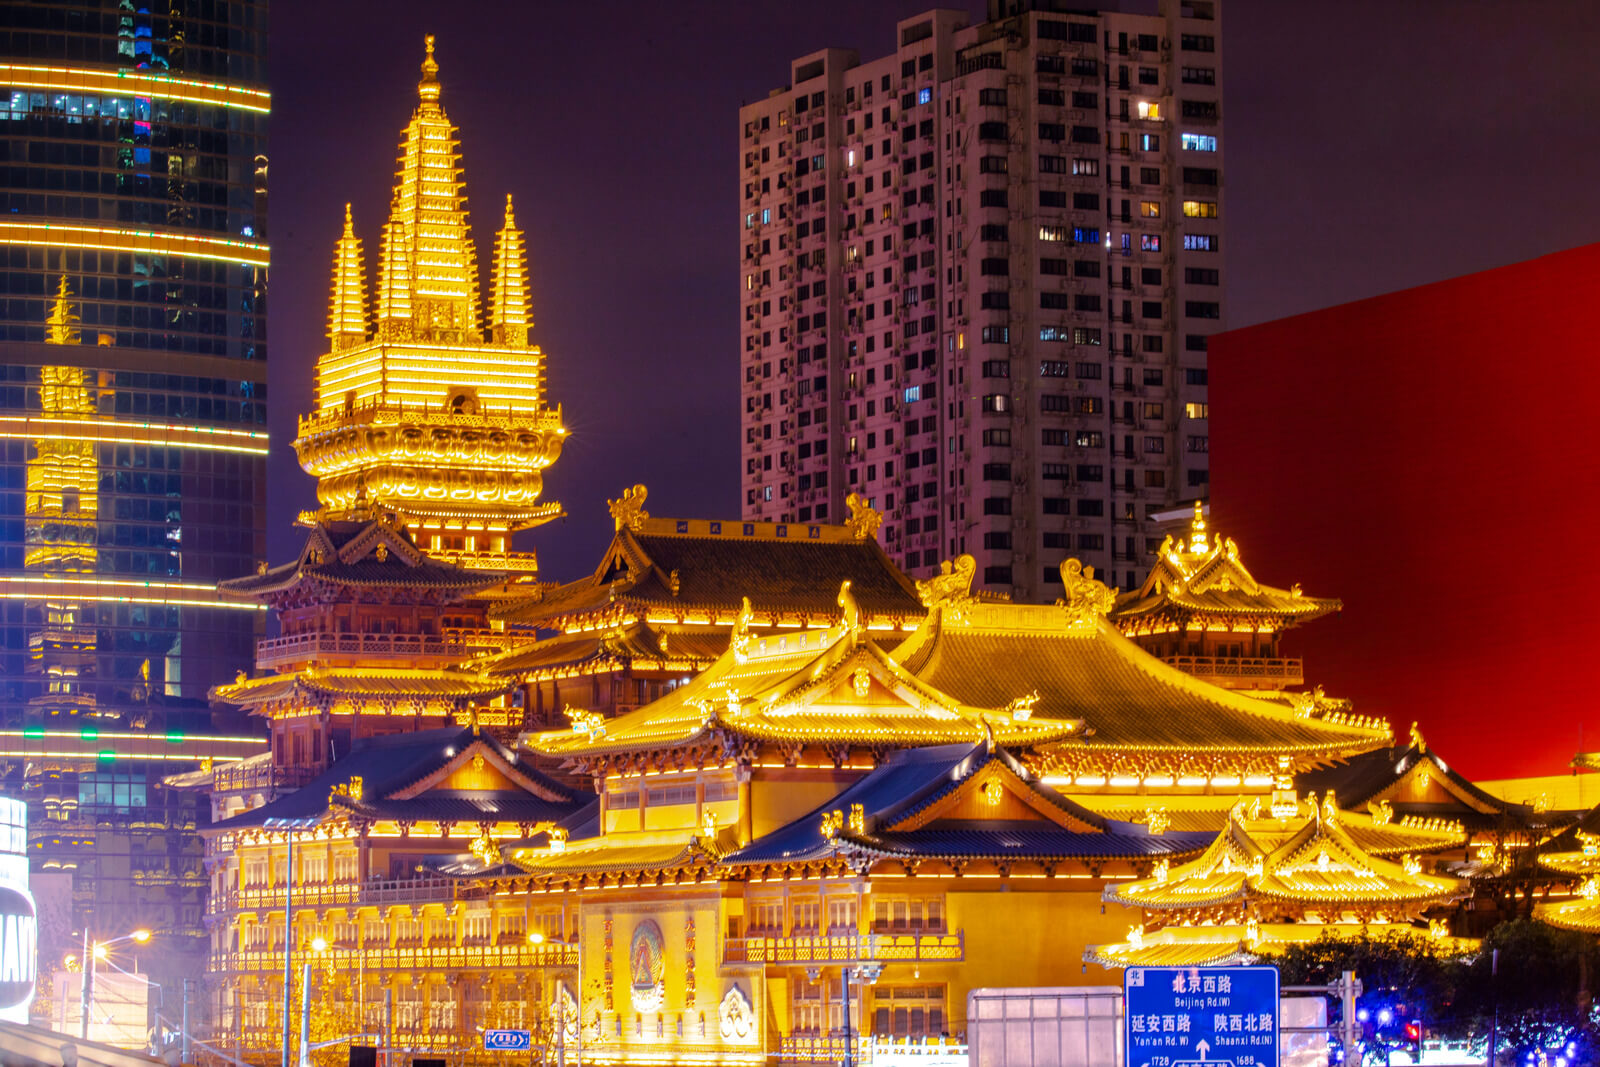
point(19, 925)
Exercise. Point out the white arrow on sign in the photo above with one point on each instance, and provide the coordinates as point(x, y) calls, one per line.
point(1202, 1048)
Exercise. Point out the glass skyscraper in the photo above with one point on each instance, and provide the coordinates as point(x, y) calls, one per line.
point(133, 359)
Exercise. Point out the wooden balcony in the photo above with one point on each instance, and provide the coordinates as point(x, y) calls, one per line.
point(911, 946)
point(300, 648)
point(408, 959)
point(379, 892)
point(1241, 673)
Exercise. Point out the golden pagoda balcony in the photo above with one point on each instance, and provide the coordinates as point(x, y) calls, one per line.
point(376, 892)
point(1245, 673)
point(823, 1048)
point(300, 648)
point(518, 955)
point(846, 948)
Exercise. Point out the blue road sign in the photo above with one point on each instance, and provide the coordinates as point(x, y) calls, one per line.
point(507, 1040)
point(1189, 1016)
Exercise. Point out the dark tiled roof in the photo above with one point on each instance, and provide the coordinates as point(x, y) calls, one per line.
point(403, 566)
point(638, 643)
point(1360, 778)
point(385, 766)
point(471, 807)
point(793, 575)
point(912, 780)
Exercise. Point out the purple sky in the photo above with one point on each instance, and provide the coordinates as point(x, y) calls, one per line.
point(1371, 145)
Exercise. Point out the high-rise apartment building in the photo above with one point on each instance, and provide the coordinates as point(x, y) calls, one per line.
point(976, 278)
point(132, 431)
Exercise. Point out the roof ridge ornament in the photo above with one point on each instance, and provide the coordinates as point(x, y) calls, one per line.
point(628, 509)
point(951, 587)
point(428, 87)
point(1198, 543)
point(850, 613)
point(739, 639)
point(1087, 599)
point(864, 519)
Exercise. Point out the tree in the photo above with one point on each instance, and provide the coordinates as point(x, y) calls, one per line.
point(1539, 990)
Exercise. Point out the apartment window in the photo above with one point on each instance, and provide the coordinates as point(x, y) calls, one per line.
point(1149, 76)
point(1055, 368)
point(1088, 405)
point(1199, 109)
point(1055, 266)
point(1087, 101)
point(997, 472)
point(1151, 342)
point(1053, 402)
point(992, 165)
point(1199, 176)
point(993, 131)
point(1053, 333)
point(994, 438)
point(1149, 142)
point(1195, 409)
point(1200, 242)
point(1091, 472)
point(1052, 98)
point(1057, 132)
point(1155, 445)
point(1086, 268)
point(1151, 409)
point(1086, 201)
point(1057, 505)
point(997, 335)
point(1150, 309)
point(996, 368)
point(1200, 209)
point(1198, 443)
point(1196, 42)
point(994, 301)
point(1085, 335)
point(1086, 166)
point(997, 540)
point(1052, 164)
point(1201, 275)
point(994, 231)
point(1085, 68)
point(1086, 235)
point(1053, 233)
point(1199, 75)
point(1198, 142)
point(1087, 371)
point(1088, 439)
point(995, 266)
point(1194, 376)
point(1080, 135)
point(1149, 209)
point(1055, 472)
point(992, 198)
point(997, 505)
point(1149, 242)
point(1092, 542)
point(1202, 309)
point(996, 403)
point(1155, 479)
point(1052, 198)
point(1199, 477)
point(992, 97)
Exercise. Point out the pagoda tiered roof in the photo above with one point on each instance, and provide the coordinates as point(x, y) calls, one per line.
point(636, 644)
point(832, 687)
point(960, 804)
point(418, 777)
point(328, 687)
point(1576, 854)
point(1275, 875)
point(699, 571)
point(371, 557)
point(1200, 581)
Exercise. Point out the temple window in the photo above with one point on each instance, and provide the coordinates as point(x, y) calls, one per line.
point(808, 1008)
point(901, 914)
point(841, 915)
point(803, 916)
point(767, 919)
point(908, 1011)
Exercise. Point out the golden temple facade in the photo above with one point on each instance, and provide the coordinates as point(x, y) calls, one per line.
point(426, 407)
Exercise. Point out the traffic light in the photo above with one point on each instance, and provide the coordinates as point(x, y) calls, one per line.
point(1414, 1039)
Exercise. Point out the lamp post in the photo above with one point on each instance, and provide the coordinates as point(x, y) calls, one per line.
point(94, 951)
point(289, 826)
point(537, 938)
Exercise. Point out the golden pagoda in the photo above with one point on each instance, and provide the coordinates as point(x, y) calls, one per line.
point(1202, 611)
point(1279, 874)
point(425, 407)
point(1582, 866)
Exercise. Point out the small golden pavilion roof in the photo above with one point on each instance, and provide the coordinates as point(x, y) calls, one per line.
point(826, 686)
point(1201, 577)
point(1305, 859)
point(321, 686)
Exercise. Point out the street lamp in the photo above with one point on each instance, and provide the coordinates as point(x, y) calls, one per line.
point(538, 938)
point(289, 826)
point(93, 952)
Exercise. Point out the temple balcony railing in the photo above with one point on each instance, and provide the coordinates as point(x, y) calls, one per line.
point(297, 648)
point(249, 776)
point(407, 958)
point(1259, 673)
point(887, 947)
point(376, 892)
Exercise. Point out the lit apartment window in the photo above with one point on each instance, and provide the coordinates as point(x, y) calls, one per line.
point(1195, 409)
point(1200, 209)
point(1198, 142)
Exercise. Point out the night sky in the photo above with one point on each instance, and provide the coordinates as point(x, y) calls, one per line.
point(1371, 145)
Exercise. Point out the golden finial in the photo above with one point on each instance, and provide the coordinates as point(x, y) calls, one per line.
point(508, 306)
point(628, 509)
point(1087, 600)
point(850, 612)
point(952, 585)
point(1198, 543)
point(428, 87)
point(864, 520)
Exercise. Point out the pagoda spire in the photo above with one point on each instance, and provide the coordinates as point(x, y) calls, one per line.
point(1199, 544)
point(347, 316)
point(394, 282)
point(508, 311)
point(63, 321)
point(431, 206)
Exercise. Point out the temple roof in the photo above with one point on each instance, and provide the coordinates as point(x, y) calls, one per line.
point(1199, 576)
point(1081, 666)
point(1411, 780)
point(316, 685)
point(921, 803)
point(671, 568)
point(1224, 944)
point(624, 852)
point(375, 554)
point(636, 644)
point(409, 776)
point(833, 686)
point(1305, 859)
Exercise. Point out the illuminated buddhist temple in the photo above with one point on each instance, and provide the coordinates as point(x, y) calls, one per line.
point(661, 603)
point(424, 408)
point(1579, 865)
point(1202, 611)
